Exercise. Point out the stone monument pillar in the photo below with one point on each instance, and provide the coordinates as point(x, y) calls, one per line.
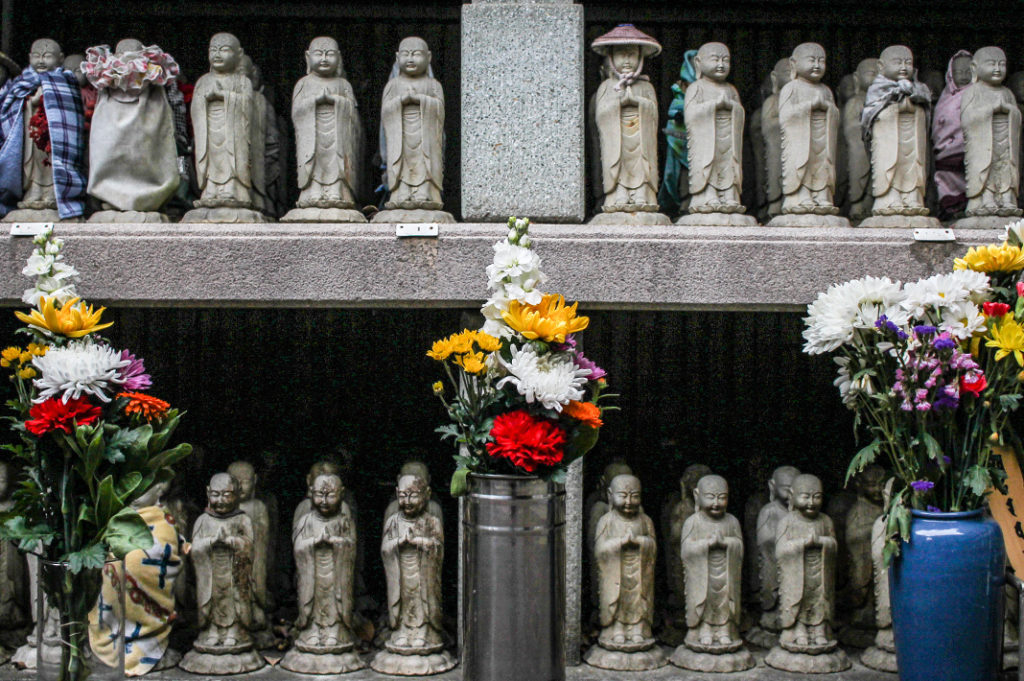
point(541, 107)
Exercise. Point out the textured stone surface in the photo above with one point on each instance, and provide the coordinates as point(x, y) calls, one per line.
point(663, 268)
point(522, 111)
point(573, 560)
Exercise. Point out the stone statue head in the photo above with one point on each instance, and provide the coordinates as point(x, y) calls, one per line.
point(413, 56)
point(128, 45)
point(252, 72)
point(1016, 84)
point(320, 468)
point(324, 58)
point(691, 476)
point(6, 473)
point(417, 468)
point(781, 74)
point(808, 62)
point(847, 88)
point(866, 72)
point(615, 468)
point(153, 495)
point(45, 55)
point(225, 53)
point(989, 66)
point(896, 63)
point(807, 496)
point(712, 496)
point(624, 494)
point(868, 483)
point(325, 494)
point(73, 63)
point(413, 494)
point(781, 482)
point(625, 58)
point(244, 473)
point(713, 62)
point(222, 494)
point(962, 70)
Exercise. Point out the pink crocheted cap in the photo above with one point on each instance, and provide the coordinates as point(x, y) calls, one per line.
point(626, 34)
point(12, 69)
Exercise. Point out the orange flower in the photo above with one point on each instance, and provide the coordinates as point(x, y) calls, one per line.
point(146, 406)
point(587, 413)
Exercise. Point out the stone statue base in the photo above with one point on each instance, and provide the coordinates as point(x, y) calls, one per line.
point(984, 222)
point(24, 657)
point(802, 663)
point(387, 662)
point(717, 220)
point(312, 214)
point(1011, 659)
point(170, 660)
point(304, 662)
point(856, 637)
point(882, 655)
point(735, 661)
point(132, 216)
point(761, 637)
point(623, 661)
point(808, 220)
point(36, 215)
point(418, 215)
point(263, 639)
point(635, 218)
point(901, 222)
point(223, 214)
point(234, 662)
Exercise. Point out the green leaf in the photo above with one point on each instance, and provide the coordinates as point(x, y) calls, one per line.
point(931, 445)
point(459, 485)
point(582, 440)
point(107, 503)
point(127, 485)
point(160, 437)
point(28, 538)
point(902, 514)
point(977, 478)
point(120, 440)
point(890, 551)
point(91, 556)
point(169, 457)
point(862, 458)
point(127, 532)
point(1009, 402)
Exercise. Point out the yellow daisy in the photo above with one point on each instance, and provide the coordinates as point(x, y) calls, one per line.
point(74, 320)
point(549, 320)
point(472, 362)
point(992, 258)
point(26, 373)
point(9, 355)
point(440, 350)
point(487, 342)
point(1008, 337)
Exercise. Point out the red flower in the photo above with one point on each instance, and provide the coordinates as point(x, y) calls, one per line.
point(1020, 289)
point(973, 383)
point(55, 414)
point(526, 441)
point(995, 309)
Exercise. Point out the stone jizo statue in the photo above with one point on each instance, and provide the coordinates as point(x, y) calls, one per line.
point(412, 548)
point(859, 593)
point(325, 545)
point(948, 138)
point(327, 139)
point(626, 552)
point(420, 470)
point(626, 115)
point(779, 489)
point(882, 654)
point(594, 508)
point(14, 582)
point(712, 551)
point(714, 127)
point(772, 134)
point(683, 507)
point(857, 158)
point(245, 474)
point(991, 124)
point(261, 135)
point(805, 549)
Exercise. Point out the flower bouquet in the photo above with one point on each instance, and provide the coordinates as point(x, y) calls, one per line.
point(523, 397)
point(93, 441)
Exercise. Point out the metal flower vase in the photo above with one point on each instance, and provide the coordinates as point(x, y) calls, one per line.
point(514, 579)
point(80, 630)
point(946, 589)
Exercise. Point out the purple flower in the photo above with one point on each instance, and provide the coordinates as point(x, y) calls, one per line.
point(924, 330)
point(943, 342)
point(134, 375)
point(946, 460)
point(582, 362)
point(569, 344)
point(884, 324)
point(922, 485)
point(934, 509)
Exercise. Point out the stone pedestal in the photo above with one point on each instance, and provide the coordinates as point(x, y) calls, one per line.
point(808, 220)
point(128, 216)
point(985, 222)
point(523, 111)
point(901, 222)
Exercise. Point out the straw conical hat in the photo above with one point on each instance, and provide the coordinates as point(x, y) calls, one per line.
point(8, 63)
point(626, 34)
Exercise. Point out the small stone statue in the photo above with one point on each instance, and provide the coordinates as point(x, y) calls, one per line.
point(626, 553)
point(714, 127)
point(325, 553)
point(133, 158)
point(779, 489)
point(327, 139)
point(14, 583)
point(594, 508)
point(229, 138)
point(859, 592)
point(245, 474)
point(805, 549)
point(751, 555)
point(412, 115)
point(261, 135)
point(412, 548)
point(948, 138)
point(991, 125)
point(626, 114)
point(678, 513)
point(222, 552)
point(42, 167)
point(755, 135)
point(895, 125)
point(881, 655)
point(809, 122)
point(858, 162)
point(420, 470)
point(712, 550)
point(772, 132)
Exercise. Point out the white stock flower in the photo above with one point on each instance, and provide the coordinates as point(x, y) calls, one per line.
point(1015, 228)
point(850, 388)
point(552, 380)
point(78, 368)
point(512, 263)
point(49, 287)
point(38, 265)
point(856, 304)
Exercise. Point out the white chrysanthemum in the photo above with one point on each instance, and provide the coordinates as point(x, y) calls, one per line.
point(78, 368)
point(552, 380)
point(946, 290)
point(856, 304)
point(962, 320)
point(849, 387)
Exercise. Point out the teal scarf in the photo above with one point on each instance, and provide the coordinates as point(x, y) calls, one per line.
point(675, 133)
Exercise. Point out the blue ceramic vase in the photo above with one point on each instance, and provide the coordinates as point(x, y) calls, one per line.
point(946, 589)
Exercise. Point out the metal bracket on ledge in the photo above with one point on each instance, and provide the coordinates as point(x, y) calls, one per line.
point(934, 234)
point(32, 229)
point(423, 229)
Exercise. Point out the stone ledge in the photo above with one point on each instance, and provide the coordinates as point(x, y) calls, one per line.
point(609, 267)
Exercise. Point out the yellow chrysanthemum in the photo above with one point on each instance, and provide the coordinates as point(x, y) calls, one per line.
point(24, 357)
point(74, 320)
point(549, 320)
point(472, 362)
point(463, 342)
point(27, 373)
point(1008, 337)
point(440, 350)
point(487, 342)
point(38, 349)
point(438, 388)
point(992, 258)
point(9, 355)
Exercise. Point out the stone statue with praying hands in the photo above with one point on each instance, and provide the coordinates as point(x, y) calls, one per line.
point(245, 474)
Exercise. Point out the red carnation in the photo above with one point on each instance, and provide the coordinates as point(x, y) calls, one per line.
point(995, 309)
point(973, 383)
point(55, 414)
point(527, 441)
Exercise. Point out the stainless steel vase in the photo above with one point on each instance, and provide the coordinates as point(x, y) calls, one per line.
point(514, 579)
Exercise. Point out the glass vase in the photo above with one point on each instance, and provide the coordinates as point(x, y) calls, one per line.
point(81, 622)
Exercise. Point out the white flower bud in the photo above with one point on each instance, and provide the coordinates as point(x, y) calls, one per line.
point(525, 241)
